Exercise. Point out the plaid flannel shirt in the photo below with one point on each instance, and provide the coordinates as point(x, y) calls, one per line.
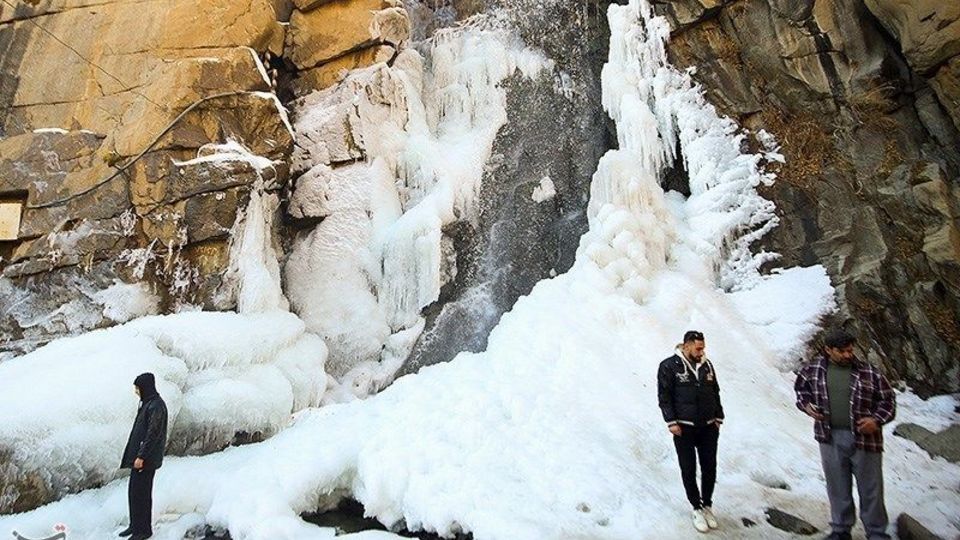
point(870, 395)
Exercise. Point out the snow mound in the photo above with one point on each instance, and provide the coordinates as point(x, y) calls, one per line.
point(68, 406)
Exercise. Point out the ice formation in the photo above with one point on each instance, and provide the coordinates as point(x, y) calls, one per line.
point(426, 133)
point(544, 191)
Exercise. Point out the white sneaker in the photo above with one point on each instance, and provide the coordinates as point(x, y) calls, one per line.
point(711, 519)
point(700, 522)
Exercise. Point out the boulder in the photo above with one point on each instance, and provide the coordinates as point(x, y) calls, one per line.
point(945, 444)
point(184, 82)
point(307, 5)
point(789, 523)
point(334, 29)
point(909, 528)
point(335, 70)
point(683, 13)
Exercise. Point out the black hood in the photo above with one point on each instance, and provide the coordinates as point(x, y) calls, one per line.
point(147, 385)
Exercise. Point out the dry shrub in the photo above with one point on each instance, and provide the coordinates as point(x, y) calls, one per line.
point(892, 158)
point(807, 143)
point(871, 107)
point(943, 320)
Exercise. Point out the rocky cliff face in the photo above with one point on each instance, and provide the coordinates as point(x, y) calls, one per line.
point(532, 205)
point(863, 98)
point(126, 208)
point(131, 138)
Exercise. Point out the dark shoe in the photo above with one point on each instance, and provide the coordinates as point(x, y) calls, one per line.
point(126, 532)
point(838, 536)
point(141, 536)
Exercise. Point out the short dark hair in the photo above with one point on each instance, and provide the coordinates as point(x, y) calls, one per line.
point(838, 338)
point(692, 335)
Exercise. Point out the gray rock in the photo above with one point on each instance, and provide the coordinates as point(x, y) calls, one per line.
point(557, 131)
point(38, 308)
point(945, 444)
point(206, 532)
point(788, 522)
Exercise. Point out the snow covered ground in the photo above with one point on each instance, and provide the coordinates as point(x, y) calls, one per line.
point(553, 432)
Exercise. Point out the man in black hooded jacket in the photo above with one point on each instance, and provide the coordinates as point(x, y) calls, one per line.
point(144, 455)
point(689, 399)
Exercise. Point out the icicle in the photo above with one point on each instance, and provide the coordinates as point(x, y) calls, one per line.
point(253, 261)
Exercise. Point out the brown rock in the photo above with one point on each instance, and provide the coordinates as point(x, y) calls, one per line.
point(167, 24)
point(84, 238)
point(934, 195)
point(942, 245)
point(682, 13)
point(62, 178)
point(84, 222)
point(161, 178)
point(390, 25)
point(164, 223)
point(254, 119)
point(178, 84)
point(334, 71)
point(335, 28)
point(209, 257)
point(30, 162)
point(789, 522)
point(47, 93)
point(307, 5)
point(211, 215)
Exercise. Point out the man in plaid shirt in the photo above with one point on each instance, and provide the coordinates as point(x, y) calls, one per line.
point(850, 401)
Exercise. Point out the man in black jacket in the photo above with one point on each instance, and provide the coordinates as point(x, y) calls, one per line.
point(690, 401)
point(144, 455)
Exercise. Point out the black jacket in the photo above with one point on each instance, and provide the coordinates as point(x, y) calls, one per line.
point(685, 398)
point(148, 437)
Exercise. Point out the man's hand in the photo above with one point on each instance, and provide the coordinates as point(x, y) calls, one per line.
point(676, 430)
point(138, 463)
point(868, 425)
point(812, 412)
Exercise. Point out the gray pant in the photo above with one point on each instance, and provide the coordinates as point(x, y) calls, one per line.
point(842, 462)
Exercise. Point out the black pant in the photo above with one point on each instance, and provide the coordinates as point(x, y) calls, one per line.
point(140, 498)
point(702, 441)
